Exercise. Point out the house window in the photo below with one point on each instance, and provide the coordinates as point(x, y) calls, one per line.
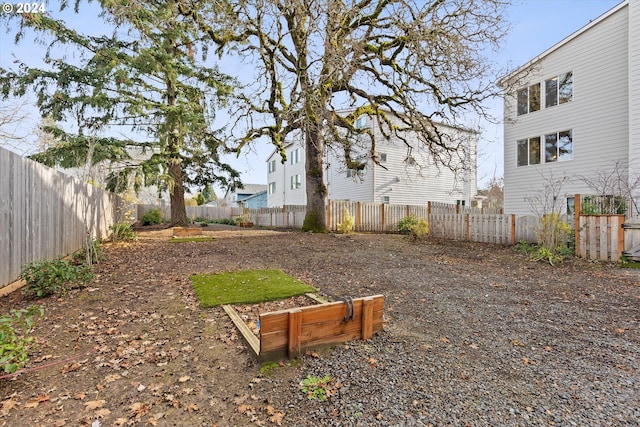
point(295, 156)
point(528, 151)
point(272, 166)
point(383, 157)
point(529, 99)
point(351, 173)
point(361, 123)
point(571, 205)
point(272, 188)
point(385, 200)
point(558, 146)
point(460, 202)
point(296, 182)
point(558, 90)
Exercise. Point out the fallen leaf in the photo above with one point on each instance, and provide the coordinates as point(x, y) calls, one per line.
point(270, 410)
point(111, 378)
point(121, 421)
point(60, 423)
point(70, 368)
point(277, 418)
point(31, 404)
point(517, 343)
point(184, 378)
point(152, 421)
point(191, 407)
point(620, 330)
point(548, 348)
point(444, 340)
point(79, 396)
point(8, 405)
point(244, 408)
point(474, 346)
point(94, 404)
point(528, 361)
point(139, 409)
point(101, 413)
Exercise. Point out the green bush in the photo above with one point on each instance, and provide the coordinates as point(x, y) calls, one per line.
point(122, 232)
point(46, 277)
point(226, 221)
point(414, 226)
point(151, 217)
point(406, 224)
point(14, 337)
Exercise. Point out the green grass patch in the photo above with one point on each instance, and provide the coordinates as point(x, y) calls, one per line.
point(192, 239)
point(246, 287)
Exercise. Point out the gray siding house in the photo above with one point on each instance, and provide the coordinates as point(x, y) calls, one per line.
point(406, 178)
point(575, 116)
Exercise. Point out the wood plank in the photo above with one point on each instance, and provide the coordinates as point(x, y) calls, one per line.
point(295, 328)
point(367, 318)
point(251, 339)
point(605, 233)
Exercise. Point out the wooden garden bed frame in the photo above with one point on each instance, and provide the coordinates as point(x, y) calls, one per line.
point(289, 333)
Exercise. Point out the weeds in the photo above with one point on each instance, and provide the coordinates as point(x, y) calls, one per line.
point(47, 277)
point(15, 330)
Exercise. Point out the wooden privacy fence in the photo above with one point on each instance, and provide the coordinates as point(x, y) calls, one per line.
point(45, 214)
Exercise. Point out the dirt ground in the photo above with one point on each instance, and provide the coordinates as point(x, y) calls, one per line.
point(134, 348)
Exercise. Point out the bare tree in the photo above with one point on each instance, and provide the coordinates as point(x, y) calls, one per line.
point(614, 186)
point(411, 64)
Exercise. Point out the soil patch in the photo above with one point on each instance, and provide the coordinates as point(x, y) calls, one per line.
point(475, 334)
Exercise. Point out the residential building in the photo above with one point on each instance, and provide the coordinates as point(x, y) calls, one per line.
point(403, 177)
point(236, 197)
point(572, 125)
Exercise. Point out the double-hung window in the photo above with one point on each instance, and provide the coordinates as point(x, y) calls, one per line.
point(296, 182)
point(295, 156)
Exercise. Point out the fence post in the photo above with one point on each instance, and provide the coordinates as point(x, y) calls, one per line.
point(328, 214)
point(621, 219)
point(513, 229)
point(358, 218)
point(576, 206)
point(384, 222)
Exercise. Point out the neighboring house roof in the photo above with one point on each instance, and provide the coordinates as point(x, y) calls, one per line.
point(563, 42)
point(251, 189)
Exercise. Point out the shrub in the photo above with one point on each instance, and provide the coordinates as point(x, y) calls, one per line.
point(46, 277)
point(346, 226)
point(407, 223)
point(14, 337)
point(151, 217)
point(417, 228)
point(122, 231)
point(420, 230)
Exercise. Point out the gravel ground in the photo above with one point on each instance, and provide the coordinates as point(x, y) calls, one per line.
point(475, 335)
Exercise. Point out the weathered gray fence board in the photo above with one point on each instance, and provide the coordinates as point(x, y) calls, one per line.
point(45, 214)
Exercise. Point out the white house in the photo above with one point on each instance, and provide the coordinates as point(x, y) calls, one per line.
point(405, 178)
point(574, 118)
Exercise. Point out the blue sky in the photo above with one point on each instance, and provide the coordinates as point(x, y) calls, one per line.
point(536, 26)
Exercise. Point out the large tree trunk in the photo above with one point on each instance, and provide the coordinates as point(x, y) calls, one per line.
point(178, 209)
point(316, 218)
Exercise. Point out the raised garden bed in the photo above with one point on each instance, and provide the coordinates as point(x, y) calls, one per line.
point(187, 231)
point(292, 331)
